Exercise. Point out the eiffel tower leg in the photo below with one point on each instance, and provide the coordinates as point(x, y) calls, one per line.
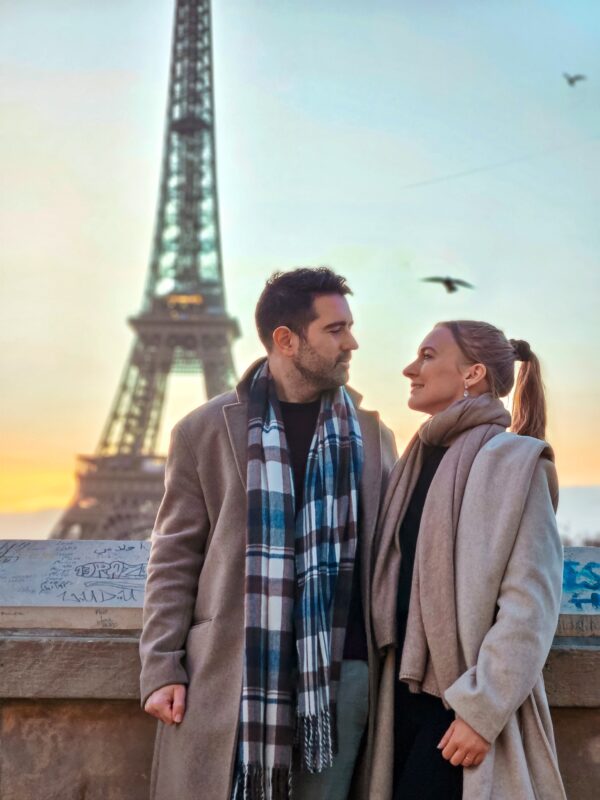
point(120, 488)
point(219, 373)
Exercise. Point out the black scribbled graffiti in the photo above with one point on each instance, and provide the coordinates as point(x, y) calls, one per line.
point(122, 548)
point(126, 594)
point(54, 584)
point(11, 551)
point(110, 585)
point(111, 570)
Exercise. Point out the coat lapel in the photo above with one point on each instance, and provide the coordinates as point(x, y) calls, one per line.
point(236, 421)
point(370, 488)
point(370, 495)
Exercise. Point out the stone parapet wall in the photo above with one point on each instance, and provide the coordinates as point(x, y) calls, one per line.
point(75, 750)
point(70, 723)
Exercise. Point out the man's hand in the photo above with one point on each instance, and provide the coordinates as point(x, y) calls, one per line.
point(462, 746)
point(167, 703)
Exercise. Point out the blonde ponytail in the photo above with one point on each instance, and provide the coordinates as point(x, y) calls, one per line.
point(529, 400)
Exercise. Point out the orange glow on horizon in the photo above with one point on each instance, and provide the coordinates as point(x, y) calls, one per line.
point(27, 488)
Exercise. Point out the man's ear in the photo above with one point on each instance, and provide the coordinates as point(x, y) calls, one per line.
point(285, 340)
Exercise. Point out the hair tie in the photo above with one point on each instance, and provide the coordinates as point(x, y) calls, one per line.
point(521, 349)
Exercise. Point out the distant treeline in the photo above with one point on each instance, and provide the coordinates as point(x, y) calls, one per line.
point(589, 541)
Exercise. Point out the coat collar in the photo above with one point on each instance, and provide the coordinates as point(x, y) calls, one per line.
point(236, 421)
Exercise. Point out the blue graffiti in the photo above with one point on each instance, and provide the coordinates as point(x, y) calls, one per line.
point(578, 576)
point(580, 602)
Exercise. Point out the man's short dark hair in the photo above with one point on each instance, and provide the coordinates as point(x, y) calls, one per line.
point(288, 297)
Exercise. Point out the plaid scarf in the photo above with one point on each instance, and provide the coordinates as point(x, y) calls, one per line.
point(299, 571)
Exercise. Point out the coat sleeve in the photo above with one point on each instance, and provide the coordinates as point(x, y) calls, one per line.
point(514, 650)
point(176, 557)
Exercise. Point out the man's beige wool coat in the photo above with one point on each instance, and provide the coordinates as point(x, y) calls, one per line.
point(508, 576)
point(194, 606)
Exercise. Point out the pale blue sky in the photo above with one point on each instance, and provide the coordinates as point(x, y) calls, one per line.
point(328, 114)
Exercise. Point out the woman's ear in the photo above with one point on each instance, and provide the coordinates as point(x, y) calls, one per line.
point(475, 377)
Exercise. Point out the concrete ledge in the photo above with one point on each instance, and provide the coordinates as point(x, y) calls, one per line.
point(67, 666)
point(80, 619)
point(80, 585)
point(572, 673)
point(33, 664)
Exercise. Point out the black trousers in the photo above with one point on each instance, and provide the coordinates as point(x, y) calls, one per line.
point(420, 771)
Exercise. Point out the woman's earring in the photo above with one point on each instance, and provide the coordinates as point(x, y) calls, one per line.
point(466, 394)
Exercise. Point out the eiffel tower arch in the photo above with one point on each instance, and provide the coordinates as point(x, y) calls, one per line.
point(183, 325)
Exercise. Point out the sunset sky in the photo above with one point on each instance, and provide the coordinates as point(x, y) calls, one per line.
point(389, 140)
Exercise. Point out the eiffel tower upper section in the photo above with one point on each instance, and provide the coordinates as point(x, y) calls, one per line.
point(183, 325)
point(186, 258)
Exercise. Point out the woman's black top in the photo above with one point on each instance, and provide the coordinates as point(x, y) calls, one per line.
point(409, 532)
point(420, 720)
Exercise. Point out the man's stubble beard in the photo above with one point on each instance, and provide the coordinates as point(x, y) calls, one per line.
point(317, 372)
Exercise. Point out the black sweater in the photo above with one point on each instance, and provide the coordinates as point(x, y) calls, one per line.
point(409, 532)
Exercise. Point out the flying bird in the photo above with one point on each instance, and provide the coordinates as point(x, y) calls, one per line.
point(451, 284)
point(572, 79)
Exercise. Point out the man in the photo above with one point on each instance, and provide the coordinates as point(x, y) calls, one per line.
point(255, 643)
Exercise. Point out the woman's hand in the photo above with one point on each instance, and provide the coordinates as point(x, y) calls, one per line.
point(462, 746)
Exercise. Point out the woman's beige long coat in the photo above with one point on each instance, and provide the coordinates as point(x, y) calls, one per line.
point(508, 591)
point(194, 606)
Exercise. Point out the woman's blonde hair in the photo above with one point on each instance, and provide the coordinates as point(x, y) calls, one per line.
point(482, 343)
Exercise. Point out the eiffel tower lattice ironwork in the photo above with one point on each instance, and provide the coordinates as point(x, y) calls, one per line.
point(183, 325)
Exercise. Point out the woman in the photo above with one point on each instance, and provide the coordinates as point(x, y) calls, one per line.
point(467, 582)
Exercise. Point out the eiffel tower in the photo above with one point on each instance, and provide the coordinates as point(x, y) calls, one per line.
point(183, 325)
